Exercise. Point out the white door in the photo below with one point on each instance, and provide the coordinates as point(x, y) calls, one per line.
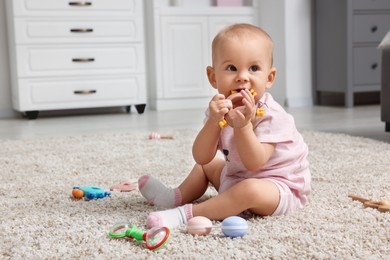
point(185, 51)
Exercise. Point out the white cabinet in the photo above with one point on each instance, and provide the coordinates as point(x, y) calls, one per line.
point(180, 35)
point(68, 54)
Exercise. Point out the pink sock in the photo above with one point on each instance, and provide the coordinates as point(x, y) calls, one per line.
point(170, 218)
point(157, 193)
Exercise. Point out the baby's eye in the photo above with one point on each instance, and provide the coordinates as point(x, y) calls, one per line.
point(231, 68)
point(254, 68)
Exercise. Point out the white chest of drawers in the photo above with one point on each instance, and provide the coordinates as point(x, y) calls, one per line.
point(67, 54)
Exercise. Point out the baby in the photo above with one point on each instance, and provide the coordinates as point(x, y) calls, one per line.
point(265, 169)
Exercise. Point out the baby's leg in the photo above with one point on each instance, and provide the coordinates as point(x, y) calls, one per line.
point(196, 183)
point(192, 188)
point(157, 193)
point(260, 196)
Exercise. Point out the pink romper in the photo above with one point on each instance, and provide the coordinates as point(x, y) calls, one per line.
point(287, 167)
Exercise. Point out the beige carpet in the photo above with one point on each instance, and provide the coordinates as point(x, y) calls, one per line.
point(40, 221)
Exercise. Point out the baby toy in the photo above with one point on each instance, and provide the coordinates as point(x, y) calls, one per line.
point(232, 226)
point(157, 136)
point(236, 97)
point(199, 225)
point(124, 187)
point(89, 192)
point(382, 205)
point(155, 238)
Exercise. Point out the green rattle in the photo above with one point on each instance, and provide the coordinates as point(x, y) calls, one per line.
point(155, 238)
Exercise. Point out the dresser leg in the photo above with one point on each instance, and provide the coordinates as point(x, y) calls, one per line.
point(387, 126)
point(32, 114)
point(140, 108)
point(349, 99)
point(128, 109)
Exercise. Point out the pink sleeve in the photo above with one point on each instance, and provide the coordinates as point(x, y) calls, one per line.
point(276, 126)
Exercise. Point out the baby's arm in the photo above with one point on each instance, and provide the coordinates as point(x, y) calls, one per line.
point(253, 153)
point(205, 145)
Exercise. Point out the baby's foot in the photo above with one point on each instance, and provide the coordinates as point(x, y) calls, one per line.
point(157, 193)
point(170, 218)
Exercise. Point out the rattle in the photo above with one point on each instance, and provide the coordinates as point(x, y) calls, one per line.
point(232, 226)
point(236, 96)
point(382, 205)
point(155, 238)
point(157, 136)
point(89, 192)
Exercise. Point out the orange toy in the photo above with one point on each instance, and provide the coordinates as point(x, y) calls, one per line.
point(78, 194)
point(259, 112)
point(382, 205)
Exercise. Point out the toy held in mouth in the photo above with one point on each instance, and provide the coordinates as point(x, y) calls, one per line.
point(233, 226)
point(236, 99)
point(155, 238)
point(157, 136)
point(89, 192)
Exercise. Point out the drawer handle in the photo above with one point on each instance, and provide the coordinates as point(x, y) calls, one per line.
point(86, 30)
point(84, 92)
point(374, 66)
point(83, 60)
point(374, 28)
point(80, 3)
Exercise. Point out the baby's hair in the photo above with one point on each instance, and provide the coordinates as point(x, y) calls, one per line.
point(241, 31)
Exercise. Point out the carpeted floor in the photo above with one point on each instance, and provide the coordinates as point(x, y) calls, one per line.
point(40, 221)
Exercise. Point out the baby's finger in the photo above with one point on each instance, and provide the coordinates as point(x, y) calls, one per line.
point(228, 103)
point(218, 97)
point(248, 95)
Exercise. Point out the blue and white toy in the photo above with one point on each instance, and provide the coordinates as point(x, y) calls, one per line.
point(89, 192)
point(234, 226)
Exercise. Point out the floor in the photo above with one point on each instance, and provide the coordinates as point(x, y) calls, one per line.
point(359, 121)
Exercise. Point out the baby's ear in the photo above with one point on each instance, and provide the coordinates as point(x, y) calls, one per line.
point(271, 77)
point(211, 76)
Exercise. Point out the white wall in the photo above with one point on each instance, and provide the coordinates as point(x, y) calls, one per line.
point(289, 24)
point(5, 81)
point(272, 20)
point(287, 21)
point(298, 53)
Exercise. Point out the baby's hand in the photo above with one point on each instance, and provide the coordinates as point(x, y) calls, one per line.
point(219, 106)
point(242, 115)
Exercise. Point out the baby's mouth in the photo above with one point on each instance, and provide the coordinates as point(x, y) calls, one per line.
point(236, 97)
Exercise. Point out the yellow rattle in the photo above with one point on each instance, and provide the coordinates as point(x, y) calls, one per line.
point(259, 111)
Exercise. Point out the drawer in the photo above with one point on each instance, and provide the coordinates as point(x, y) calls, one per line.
point(366, 65)
point(86, 60)
point(75, 7)
point(370, 27)
point(41, 94)
point(370, 4)
point(80, 31)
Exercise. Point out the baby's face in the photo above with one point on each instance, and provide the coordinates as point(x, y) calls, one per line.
point(243, 64)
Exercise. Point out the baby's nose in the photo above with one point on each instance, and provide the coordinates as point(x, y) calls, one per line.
point(242, 76)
